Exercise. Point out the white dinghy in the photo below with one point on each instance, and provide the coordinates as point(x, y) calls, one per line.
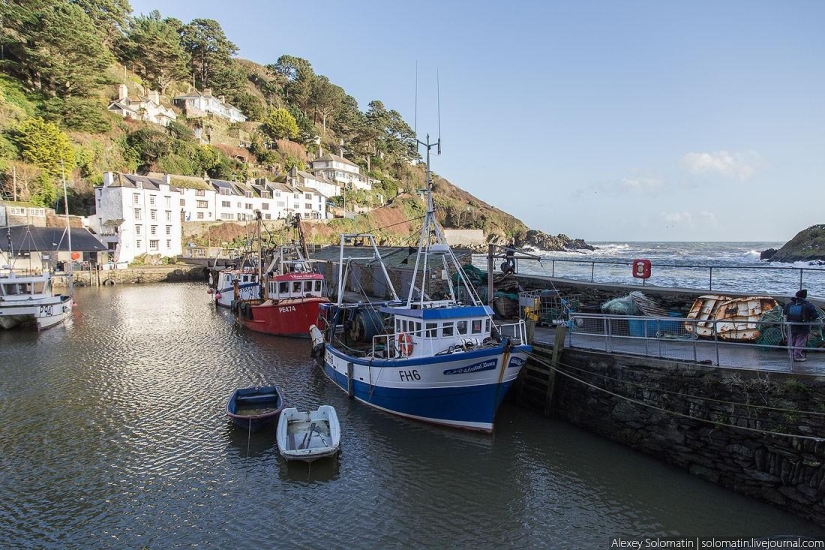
point(308, 436)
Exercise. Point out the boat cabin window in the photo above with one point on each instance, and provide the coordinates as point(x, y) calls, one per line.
point(296, 287)
point(432, 330)
point(486, 326)
point(461, 326)
point(476, 326)
point(307, 286)
point(283, 288)
point(318, 286)
point(447, 329)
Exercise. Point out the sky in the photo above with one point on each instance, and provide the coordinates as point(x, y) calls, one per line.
point(602, 120)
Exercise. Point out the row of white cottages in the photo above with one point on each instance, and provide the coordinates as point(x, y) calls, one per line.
point(137, 215)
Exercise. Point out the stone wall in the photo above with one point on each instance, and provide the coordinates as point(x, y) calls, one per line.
point(136, 275)
point(760, 434)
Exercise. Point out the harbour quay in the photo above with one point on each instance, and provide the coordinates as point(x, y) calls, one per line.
point(745, 420)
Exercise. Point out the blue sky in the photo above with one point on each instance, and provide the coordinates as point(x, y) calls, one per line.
point(607, 121)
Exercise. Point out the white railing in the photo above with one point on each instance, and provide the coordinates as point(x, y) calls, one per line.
point(756, 345)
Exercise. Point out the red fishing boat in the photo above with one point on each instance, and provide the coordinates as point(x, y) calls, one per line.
point(292, 293)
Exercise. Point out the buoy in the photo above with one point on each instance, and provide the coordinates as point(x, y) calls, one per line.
point(75, 255)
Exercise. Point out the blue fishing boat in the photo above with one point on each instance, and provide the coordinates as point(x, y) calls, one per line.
point(254, 408)
point(443, 361)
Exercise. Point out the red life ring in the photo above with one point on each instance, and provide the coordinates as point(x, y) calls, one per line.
point(405, 344)
point(75, 256)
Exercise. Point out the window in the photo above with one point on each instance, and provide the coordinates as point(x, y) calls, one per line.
point(296, 287)
point(153, 244)
point(308, 206)
point(462, 327)
point(240, 205)
point(152, 200)
point(318, 286)
point(267, 216)
point(199, 215)
point(486, 326)
point(225, 204)
point(277, 193)
point(281, 204)
point(307, 286)
point(249, 206)
point(183, 202)
point(265, 206)
point(168, 229)
point(283, 288)
point(153, 230)
point(136, 198)
point(432, 330)
point(447, 329)
point(202, 204)
point(168, 216)
point(137, 213)
point(153, 214)
point(476, 326)
point(308, 196)
point(200, 193)
point(167, 201)
point(138, 229)
point(168, 243)
point(138, 243)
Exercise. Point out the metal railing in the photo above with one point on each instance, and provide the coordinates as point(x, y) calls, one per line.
point(760, 279)
point(754, 345)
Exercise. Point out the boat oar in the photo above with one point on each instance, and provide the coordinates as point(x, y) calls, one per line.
point(308, 436)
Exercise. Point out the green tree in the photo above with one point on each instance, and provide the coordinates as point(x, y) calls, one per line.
point(43, 144)
point(280, 124)
point(149, 146)
point(44, 191)
point(209, 49)
point(54, 46)
point(297, 76)
point(325, 98)
point(152, 47)
point(109, 16)
point(250, 105)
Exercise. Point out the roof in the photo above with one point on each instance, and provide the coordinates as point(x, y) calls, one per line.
point(330, 157)
point(30, 238)
point(222, 184)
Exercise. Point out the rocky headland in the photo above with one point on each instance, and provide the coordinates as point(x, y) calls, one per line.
point(807, 246)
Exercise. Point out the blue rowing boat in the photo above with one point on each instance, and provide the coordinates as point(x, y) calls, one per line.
point(254, 408)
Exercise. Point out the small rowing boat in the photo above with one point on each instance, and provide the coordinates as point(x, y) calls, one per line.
point(254, 408)
point(308, 436)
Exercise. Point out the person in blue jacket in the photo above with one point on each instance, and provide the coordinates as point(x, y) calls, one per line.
point(799, 313)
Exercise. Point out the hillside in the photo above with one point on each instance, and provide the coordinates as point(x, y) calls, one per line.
point(67, 66)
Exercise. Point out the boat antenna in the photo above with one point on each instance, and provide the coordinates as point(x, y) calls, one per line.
point(415, 116)
point(68, 228)
point(438, 103)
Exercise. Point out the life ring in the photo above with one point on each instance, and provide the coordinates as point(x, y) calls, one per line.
point(405, 344)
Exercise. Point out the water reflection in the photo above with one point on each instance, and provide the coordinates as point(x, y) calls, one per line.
point(114, 434)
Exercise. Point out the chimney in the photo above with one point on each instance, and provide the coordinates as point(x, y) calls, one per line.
point(222, 99)
point(154, 96)
point(122, 92)
point(166, 177)
point(341, 149)
point(108, 177)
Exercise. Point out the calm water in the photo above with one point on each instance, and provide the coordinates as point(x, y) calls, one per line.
point(113, 435)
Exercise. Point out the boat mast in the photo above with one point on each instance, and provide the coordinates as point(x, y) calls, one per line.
point(261, 286)
point(429, 219)
point(68, 229)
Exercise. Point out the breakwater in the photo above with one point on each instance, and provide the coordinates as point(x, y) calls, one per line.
point(175, 273)
point(756, 433)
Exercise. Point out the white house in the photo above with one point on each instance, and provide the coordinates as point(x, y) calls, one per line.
point(326, 187)
point(340, 170)
point(230, 203)
point(148, 108)
point(197, 197)
point(137, 215)
point(198, 104)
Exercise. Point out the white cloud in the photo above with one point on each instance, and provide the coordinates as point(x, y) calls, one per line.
point(741, 166)
point(641, 185)
point(678, 218)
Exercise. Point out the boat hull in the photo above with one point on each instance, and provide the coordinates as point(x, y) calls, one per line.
point(40, 314)
point(308, 436)
point(255, 408)
point(291, 318)
point(461, 390)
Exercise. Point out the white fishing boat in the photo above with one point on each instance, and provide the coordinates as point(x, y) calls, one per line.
point(308, 436)
point(237, 284)
point(443, 361)
point(28, 301)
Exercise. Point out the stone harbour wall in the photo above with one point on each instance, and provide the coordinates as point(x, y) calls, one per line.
point(136, 275)
point(760, 434)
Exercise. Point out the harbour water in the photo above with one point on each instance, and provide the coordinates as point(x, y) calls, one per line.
point(712, 266)
point(114, 435)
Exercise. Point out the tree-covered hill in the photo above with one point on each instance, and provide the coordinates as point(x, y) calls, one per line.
point(63, 60)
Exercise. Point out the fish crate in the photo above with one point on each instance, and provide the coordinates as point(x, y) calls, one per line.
point(547, 306)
